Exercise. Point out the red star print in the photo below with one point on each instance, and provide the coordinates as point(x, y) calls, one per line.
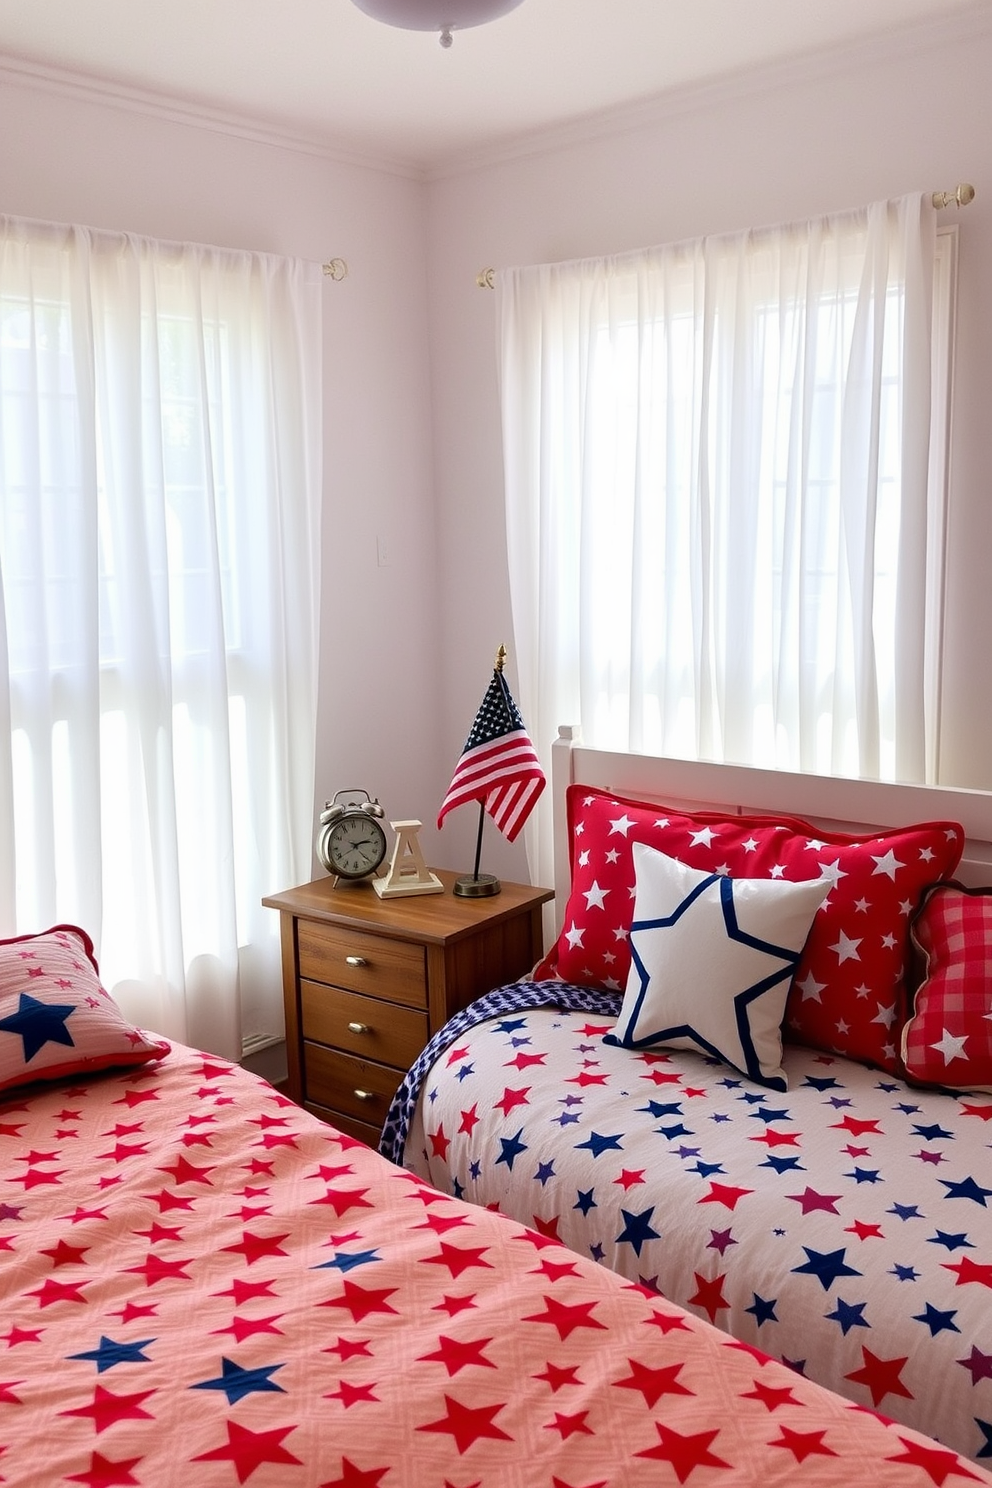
point(586, 1078)
point(657, 1077)
point(455, 1055)
point(154, 1269)
point(629, 1178)
point(653, 1383)
point(709, 1295)
point(104, 1473)
point(440, 1143)
point(723, 1193)
point(341, 1200)
point(968, 1270)
point(557, 1378)
point(685, 1453)
point(356, 1477)
point(249, 1449)
point(803, 1444)
point(456, 1354)
point(361, 1301)
point(132, 1310)
point(242, 1328)
point(770, 1396)
point(548, 1228)
point(459, 1258)
point(554, 1270)
point(511, 1098)
point(439, 1223)
point(347, 1348)
point(567, 1426)
point(454, 1305)
point(865, 1231)
point(936, 1461)
point(166, 1199)
point(51, 1292)
point(22, 1335)
point(666, 1322)
point(108, 1408)
point(467, 1424)
point(246, 1291)
point(469, 1120)
point(7, 1396)
point(557, 1482)
point(857, 1127)
point(523, 1060)
point(351, 1394)
point(881, 1376)
point(984, 1113)
point(566, 1319)
point(778, 1139)
point(253, 1246)
point(65, 1254)
point(35, 1178)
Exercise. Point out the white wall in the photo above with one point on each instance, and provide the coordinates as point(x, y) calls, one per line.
point(792, 142)
point(66, 156)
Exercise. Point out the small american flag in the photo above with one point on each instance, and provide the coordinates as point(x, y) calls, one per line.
point(499, 765)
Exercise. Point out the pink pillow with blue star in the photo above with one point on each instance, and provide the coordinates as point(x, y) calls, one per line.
point(56, 1018)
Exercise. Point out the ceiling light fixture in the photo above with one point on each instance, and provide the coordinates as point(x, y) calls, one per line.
point(443, 16)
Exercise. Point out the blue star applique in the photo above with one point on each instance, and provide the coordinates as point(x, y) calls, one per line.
point(967, 1188)
point(39, 1023)
point(110, 1353)
point(849, 1315)
point(763, 1309)
point(637, 1229)
point(236, 1382)
point(952, 1242)
point(345, 1261)
point(826, 1266)
point(599, 1144)
point(512, 1148)
point(937, 1321)
point(585, 1200)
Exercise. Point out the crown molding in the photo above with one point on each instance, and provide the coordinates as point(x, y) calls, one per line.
point(861, 54)
point(91, 88)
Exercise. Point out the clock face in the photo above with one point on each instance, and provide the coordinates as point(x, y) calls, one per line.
point(355, 845)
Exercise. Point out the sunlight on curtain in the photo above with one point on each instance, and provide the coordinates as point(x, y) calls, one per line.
point(159, 537)
point(721, 531)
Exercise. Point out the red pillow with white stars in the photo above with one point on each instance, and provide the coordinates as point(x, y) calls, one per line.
point(57, 1020)
point(848, 995)
point(948, 1038)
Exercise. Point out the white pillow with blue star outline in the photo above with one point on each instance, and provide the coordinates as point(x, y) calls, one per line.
point(712, 960)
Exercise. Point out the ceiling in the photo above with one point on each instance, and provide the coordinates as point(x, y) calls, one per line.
point(324, 72)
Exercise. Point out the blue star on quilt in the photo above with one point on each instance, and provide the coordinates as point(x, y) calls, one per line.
point(39, 1023)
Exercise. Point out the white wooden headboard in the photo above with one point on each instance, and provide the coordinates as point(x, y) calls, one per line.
point(826, 801)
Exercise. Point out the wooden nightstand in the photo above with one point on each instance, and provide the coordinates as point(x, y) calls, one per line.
point(367, 981)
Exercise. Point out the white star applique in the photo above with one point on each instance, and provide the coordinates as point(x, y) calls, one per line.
point(886, 1014)
point(613, 856)
point(888, 864)
point(622, 825)
point(702, 838)
point(833, 871)
point(950, 1047)
point(926, 854)
point(574, 936)
point(751, 845)
point(594, 895)
point(583, 860)
point(846, 948)
point(711, 961)
point(812, 845)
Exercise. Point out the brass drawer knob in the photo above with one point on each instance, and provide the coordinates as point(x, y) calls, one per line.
point(359, 1028)
point(365, 1095)
point(355, 961)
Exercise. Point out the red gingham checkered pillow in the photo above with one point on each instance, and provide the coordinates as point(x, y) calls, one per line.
point(848, 994)
point(948, 1039)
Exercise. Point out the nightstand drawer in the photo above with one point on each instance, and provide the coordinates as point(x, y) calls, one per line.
point(365, 1026)
point(341, 1082)
point(373, 964)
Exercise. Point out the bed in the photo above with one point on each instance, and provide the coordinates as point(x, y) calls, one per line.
point(200, 1283)
point(818, 1185)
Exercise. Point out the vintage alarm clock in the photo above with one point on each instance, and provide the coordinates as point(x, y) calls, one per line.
point(350, 841)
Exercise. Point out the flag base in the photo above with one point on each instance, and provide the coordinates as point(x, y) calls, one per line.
point(477, 886)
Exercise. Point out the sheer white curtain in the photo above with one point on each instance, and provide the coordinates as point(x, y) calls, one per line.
point(721, 530)
point(160, 457)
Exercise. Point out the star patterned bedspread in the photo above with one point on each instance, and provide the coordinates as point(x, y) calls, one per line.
point(844, 1227)
point(202, 1285)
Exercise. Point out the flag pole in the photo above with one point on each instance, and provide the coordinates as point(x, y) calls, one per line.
point(481, 885)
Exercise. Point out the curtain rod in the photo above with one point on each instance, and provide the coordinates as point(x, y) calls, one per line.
point(959, 197)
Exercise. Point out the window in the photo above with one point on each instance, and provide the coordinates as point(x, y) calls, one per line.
point(724, 473)
point(159, 520)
